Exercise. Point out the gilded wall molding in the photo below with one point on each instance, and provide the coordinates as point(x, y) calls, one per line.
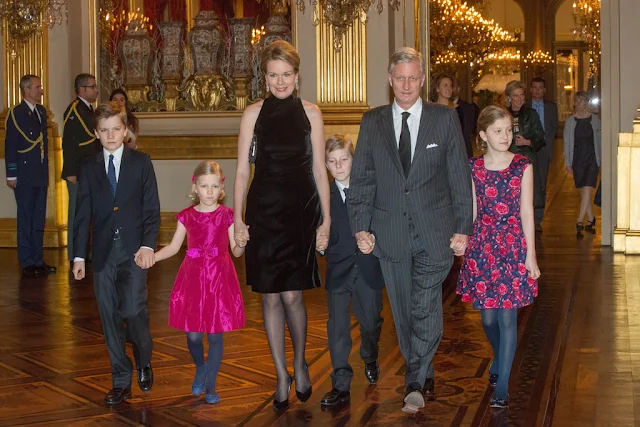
point(189, 146)
point(342, 74)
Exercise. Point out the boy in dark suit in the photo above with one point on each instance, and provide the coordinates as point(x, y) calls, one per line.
point(124, 211)
point(352, 277)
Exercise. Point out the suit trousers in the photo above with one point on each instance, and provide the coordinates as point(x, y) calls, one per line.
point(73, 196)
point(367, 305)
point(414, 286)
point(121, 293)
point(32, 210)
point(541, 170)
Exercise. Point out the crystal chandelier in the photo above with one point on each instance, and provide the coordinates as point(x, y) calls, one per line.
point(25, 18)
point(586, 15)
point(341, 14)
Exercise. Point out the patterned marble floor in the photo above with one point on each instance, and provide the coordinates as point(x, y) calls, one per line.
point(54, 369)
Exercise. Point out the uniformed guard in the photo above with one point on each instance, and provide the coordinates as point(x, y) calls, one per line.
point(26, 148)
point(78, 142)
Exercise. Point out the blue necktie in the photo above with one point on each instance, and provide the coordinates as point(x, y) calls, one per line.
point(111, 175)
point(539, 107)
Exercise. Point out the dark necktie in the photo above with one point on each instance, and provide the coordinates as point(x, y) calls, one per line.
point(111, 174)
point(404, 145)
point(345, 190)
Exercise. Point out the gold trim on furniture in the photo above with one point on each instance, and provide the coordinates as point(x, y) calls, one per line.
point(189, 147)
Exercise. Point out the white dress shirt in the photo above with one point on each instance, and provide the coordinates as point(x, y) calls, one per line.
point(341, 188)
point(413, 122)
point(117, 160)
point(87, 103)
point(34, 110)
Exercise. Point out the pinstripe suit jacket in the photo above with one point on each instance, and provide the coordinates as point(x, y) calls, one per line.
point(436, 195)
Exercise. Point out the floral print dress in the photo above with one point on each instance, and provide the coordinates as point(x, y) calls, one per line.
point(493, 274)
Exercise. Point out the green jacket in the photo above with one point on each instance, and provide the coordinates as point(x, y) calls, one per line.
point(529, 126)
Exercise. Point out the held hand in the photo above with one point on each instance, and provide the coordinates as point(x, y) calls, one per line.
point(12, 183)
point(569, 170)
point(366, 241)
point(78, 270)
point(72, 179)
point(532, 267)
point(144, 258)
point(459, 244)
point(322, 236)
point(522, 141)
point(241, 233)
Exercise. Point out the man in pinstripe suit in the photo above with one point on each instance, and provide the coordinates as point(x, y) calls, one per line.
point(411, 189)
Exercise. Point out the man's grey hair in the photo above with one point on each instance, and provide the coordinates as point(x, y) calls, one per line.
point(25, 82)
point(405, 55)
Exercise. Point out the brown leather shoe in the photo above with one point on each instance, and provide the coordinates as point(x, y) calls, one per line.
point(429, 390)
point(117, 395)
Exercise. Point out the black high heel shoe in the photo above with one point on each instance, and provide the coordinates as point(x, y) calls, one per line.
point(590, 225)
point(304, 396)
point(579, 227)
point(283, 404)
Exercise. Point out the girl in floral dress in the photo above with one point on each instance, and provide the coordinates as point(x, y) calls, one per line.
point(500, 270)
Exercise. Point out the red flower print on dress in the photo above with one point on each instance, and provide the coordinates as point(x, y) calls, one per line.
point(522, 269)
point(490, 303)
point(493, 274)
point(481, 288)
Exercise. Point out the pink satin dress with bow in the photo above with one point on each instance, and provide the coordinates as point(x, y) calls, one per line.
point(206, 295)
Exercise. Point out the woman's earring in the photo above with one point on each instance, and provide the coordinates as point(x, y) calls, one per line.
point(267, 86)
point(296, 85)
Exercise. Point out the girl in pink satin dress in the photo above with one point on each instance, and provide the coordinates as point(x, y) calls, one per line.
point(206, 295)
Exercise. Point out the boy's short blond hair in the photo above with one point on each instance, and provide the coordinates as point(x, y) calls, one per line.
point(338, 141)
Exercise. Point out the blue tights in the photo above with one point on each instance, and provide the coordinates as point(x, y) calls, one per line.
point(501, 327)
point(208, 371)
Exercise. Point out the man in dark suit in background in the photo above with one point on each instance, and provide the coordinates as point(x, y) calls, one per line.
point(468, 114)
point(118, 199)
point(352, 277)
point(411, 189)
point(26, 148)
point(78, 142)
point(548, 113)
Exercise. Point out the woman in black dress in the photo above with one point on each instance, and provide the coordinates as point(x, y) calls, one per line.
point(582, 150)
point(287, 208)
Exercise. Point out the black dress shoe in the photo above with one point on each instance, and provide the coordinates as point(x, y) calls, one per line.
point(429, 390)
point(117, 395)
point(49, 269)
point(335, 397)
point(372, 372)
point(145, 378)
point(499, 403)
point(29, 271)
point(413, 399)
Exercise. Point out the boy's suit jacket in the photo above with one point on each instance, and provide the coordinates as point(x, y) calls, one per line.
point(343, 252)
point(135, 209)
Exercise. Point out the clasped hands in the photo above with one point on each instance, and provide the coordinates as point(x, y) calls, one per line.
point(366, 242)
point(459, 243)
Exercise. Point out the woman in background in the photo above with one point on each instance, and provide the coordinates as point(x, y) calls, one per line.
point(120, 96)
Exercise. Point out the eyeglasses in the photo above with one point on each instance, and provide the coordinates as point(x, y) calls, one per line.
point(92, 86)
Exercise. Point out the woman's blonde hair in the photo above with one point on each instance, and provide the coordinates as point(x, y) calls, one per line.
point(487, 117)
point(511, 86)
point(283, 51)
point(206, 167)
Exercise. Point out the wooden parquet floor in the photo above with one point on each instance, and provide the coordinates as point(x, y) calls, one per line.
point(576, 361)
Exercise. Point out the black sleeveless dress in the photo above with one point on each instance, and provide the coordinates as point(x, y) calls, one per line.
point(283, 207)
